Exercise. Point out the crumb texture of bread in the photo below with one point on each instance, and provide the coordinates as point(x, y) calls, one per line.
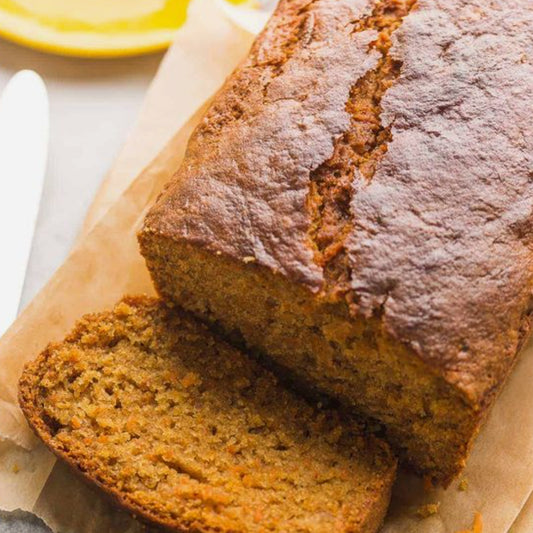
point(192, 435)
point(356, 206)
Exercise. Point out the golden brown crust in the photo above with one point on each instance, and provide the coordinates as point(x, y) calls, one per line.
point(248, 164)
point(440, 244)
point(439, 240)
point(146, 321)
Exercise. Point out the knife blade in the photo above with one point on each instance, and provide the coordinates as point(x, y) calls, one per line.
point(23, 154)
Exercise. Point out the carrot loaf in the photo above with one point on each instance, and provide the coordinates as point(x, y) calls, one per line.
point(192, 435)
point(357, 206)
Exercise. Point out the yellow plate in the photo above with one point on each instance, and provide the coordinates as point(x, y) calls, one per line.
point(92, 28)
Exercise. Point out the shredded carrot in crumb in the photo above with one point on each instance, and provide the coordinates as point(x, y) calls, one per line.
point(75, 422)
point(258, 516)
point(231, 448)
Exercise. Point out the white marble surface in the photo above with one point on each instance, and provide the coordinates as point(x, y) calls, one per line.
point(93, 105)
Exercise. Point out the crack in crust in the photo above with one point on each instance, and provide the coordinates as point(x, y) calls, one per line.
point(356, 153)
point(291, 31)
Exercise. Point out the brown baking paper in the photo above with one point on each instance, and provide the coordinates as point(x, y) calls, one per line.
point(105, 264)
point(204, 53)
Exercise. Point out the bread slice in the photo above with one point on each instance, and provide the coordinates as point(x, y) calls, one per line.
point(192, 435)
point(356, 204)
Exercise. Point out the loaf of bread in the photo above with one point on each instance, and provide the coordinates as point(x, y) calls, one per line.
point(356, 205)
point(192, 435)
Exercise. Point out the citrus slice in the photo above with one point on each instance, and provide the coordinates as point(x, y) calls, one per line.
point(92, 28)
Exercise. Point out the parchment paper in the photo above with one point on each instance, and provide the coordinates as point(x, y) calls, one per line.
point(204, 53)
point(105, 264)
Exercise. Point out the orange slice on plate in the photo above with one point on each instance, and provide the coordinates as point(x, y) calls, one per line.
point(93, 28)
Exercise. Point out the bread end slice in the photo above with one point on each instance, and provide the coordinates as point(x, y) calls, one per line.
point(191, 435)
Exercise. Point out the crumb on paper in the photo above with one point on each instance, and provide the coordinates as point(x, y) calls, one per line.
point(249, 259)
point(463, 484)
point(75, 422)
point(477, 525)
point(16, 468)
point(424, 511)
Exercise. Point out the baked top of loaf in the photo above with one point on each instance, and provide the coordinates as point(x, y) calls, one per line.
point(380, 154)
point(192, 435)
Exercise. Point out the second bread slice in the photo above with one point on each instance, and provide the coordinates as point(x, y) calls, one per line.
point(192, 435)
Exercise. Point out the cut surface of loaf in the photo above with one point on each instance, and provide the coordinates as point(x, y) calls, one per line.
point(356, 205)
point(192, 435)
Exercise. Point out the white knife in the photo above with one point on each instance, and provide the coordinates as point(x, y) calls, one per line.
point(23, 154)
